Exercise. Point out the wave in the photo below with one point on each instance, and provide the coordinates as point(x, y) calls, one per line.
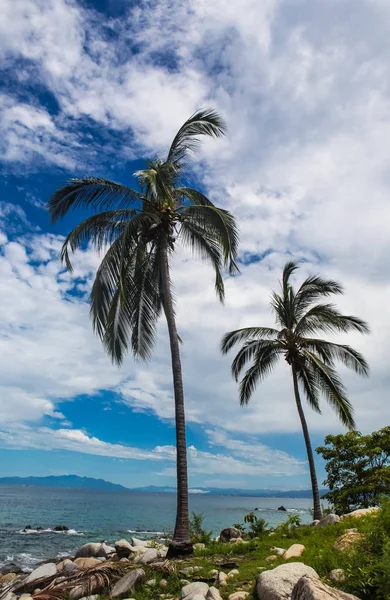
point(147, 532)
point(39, 531)
point(26, 561)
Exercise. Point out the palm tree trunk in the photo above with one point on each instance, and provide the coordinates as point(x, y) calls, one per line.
point(313, 476)
point(181, 543)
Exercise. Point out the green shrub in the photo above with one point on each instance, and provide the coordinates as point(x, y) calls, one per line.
point(257, 526)
point(198, 534)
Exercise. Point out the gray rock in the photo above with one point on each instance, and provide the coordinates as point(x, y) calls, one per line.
point(197, 597)
point(46, 570)
point(147, 557)
point(127, 583)
point(88, 551)
point(123, 548)
point(104, 551)
point(229, 534)
point(69, 569)
point(191, 590)
point(279, 583)
point(10, 568)
point(337, 575)
point(9, 596)
point(86, 563)
point(137, 542)
point(329, 520)
point(61, 565)
point(312, 588)
point(94, 597)
point(213, 594)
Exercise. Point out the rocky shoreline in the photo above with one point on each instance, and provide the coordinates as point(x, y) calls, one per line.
point(128, 566)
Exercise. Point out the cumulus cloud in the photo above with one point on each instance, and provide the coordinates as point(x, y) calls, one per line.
point(304, 89)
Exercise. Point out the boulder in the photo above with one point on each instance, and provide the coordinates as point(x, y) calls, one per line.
point(279, 583)
point(276, 550)
point(315, 522)
point(233, 573)
point(61, 528)
point(136, 542)
point(238, 596)
point(337, 575)
point(229, 534)
point(147, 557)
point(127, 583)
point(329, 520)
point(69, 569)
point(222, 578)
point(46, 570)
point(10, 568)
point(213, 594)
point(361, 512)
point(88, 551)
point(197, 588)
point(86, 563)
point(347, 540)
point(8, 578)
point(63, 563)
point(104, 551)
point(123, 548)
point(294, 551)
point(93, 585)
point(312, 588)
point(282, 508)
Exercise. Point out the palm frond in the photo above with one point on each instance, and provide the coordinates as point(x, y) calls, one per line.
point(288, 270)
point(246, 334)
point(203, 122)
point(332, 387)
point(264, 362)
point(208, 248)
point(221, 225)
point(249, 351)
point(330, 352)
point(312, 289)
point(101, 230)
point(194, 196)
point(92, 193)
point(309, 383)
point(326, 317)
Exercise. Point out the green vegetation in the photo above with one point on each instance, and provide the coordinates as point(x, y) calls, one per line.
point(300, 314)
point(198, 534)
point(366, 563)
point(358, 469)
point(139, 232)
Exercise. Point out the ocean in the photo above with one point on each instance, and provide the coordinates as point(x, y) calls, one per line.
point(93, 516)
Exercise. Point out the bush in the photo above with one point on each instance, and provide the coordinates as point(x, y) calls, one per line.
point(198, 534)
point(257, 526)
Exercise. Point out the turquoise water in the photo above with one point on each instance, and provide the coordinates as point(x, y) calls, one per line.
point(101, 515)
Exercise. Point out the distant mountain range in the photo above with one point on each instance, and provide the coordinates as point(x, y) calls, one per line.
point(89, 483)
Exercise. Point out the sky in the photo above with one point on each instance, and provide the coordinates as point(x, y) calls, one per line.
point(99, 87)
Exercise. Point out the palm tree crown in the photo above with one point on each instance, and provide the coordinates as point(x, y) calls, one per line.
point(300, 315)
point(137, 226)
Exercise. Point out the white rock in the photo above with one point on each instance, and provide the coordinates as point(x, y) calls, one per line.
point(361, 512)
point(127, 583)
point(312, 588)
point(46, 570)
point(137, 542)
point(151, 583)
point(61, 565)
point(86, 563)
point(123, 548)
point(222, 578)
point(337, 575)
point(199, 546)
point(213, 594)
point(214, 573)
point(278, 583)
point(233, 573)
point(104, 551)
point(294, 551)
point(197, 588)
point(329, 520)
point(147, 557)
point(276, 550)
point(239, 596)
point(88, 551)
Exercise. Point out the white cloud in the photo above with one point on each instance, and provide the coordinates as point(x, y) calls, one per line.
point(304, 88)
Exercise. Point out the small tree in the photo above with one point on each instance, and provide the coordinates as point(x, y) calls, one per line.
point(358, 469)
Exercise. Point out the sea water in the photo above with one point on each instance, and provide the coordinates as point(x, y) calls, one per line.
point(95, 515)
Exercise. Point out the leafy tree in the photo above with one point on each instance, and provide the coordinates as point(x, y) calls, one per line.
point(257, 525)
point(357, 467)
point(197, 531)
point(300, 316)
point(139, 230)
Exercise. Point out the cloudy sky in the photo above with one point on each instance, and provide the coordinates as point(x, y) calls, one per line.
point(97, 87)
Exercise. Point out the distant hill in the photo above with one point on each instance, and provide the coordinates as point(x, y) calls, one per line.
point(63, 481)
point(89, 483)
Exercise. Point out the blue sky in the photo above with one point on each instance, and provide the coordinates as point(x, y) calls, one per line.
point(98, 87)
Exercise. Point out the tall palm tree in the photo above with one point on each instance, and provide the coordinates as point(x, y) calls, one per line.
point(300, 315)
point(139, 231)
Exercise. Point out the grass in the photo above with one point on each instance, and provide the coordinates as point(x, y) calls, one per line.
point(364, 566)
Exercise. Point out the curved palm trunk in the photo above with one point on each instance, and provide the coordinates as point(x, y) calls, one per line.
point(181, 543)
point(309, 450)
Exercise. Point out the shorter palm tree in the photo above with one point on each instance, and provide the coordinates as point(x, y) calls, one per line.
point(312, 360)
